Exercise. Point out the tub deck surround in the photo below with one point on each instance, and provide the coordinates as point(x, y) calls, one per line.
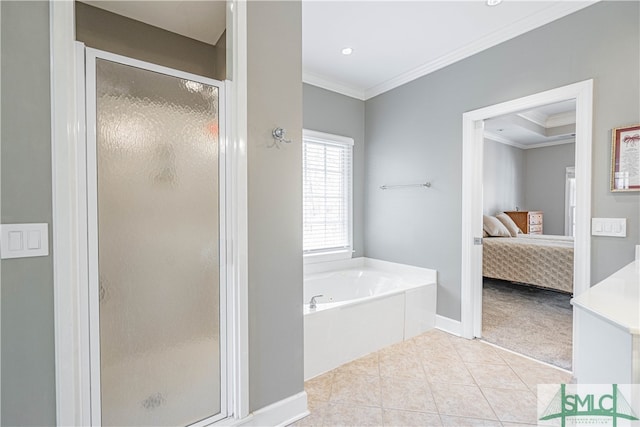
point(366, 305)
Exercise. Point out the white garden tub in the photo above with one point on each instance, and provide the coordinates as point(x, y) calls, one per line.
point(366, 305)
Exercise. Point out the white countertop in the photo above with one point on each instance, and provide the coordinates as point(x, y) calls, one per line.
point(616, 298)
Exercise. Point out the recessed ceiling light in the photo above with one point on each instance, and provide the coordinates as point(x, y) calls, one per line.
point(493, 2)
point(347, 51)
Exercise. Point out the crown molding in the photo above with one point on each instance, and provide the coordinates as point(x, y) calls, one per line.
point(506, 141)
point(551, 143)
point(561, 119)
point(502, 140)
point(535, 117)
point(332, 85)
point(513, 30)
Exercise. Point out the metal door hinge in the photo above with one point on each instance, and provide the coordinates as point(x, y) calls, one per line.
point(477, 240)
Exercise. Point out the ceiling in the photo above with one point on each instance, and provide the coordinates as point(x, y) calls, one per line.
point(393, 42)
point(552, 124)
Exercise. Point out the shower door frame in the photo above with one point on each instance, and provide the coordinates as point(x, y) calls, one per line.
point(87, 147)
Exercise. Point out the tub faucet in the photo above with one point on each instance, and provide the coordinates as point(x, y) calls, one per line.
point(312, 303)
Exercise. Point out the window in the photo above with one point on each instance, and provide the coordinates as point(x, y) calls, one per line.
point(326, 196)
point(570, 202)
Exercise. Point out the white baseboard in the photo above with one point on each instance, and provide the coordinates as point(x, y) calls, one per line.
point(449, 325)
point(281, 413)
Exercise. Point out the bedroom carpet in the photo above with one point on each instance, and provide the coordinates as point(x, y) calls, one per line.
point(531, 321)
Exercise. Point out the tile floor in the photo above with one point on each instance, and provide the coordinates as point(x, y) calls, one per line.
point(435, 379)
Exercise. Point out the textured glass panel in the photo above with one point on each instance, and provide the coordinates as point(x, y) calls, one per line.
point(157, 148)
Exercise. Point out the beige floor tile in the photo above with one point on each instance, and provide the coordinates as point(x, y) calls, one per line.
point(518, 425)
point(406, 348)
point(433, 337)
point(449, 421)
point(339, 414)
point(475, 351)
point(367, 365)
point(395, 418)
point(519, 406)
point(448, 370)
point(407, 394)
point(356, 389)
point(319, 388)
point(496, 376)
point(405, 365)
point(533, 374)
point(315, 418)
point(462, 401)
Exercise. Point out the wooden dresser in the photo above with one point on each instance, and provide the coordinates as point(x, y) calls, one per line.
point(530, 222)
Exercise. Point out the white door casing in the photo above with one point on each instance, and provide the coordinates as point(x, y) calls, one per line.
point(472, 173)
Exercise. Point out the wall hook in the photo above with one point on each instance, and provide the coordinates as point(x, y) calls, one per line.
point(278, 136)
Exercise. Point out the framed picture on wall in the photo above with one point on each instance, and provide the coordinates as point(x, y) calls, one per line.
point(625, 158)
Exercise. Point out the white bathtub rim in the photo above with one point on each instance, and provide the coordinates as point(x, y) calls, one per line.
point(423, 277)
point(387, 266)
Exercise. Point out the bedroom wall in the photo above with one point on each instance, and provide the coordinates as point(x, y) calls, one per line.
point(414, 132)
point(503, 177)
point(330, 112)
point(544, 183)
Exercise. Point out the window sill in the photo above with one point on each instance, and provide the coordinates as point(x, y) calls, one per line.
point(328, 256)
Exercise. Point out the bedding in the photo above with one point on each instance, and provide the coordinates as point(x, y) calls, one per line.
point(539, 260)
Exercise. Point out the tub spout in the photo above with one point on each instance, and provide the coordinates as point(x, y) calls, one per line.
point(312, 303)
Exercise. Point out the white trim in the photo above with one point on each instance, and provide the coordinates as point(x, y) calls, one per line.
point(0, 207)
point(473, 140)
point(324, 138)
point(502, 140)
point(281, 413)
point(535, 117)
point(332, 85)
point(449, 325)
point(570, 172)
point(238, 208)
point(550, 143)
point(71, 408)
point(561, 119)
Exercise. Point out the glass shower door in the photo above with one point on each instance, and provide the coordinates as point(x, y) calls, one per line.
point(158, 288)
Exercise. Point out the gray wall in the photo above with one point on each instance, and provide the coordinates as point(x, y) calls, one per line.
point(330, 112)
point(108, 31)
point(28, 384)
point(545, 170)
point(532, 179)
point(503, 177)
point(415, 132)
point(275, 201)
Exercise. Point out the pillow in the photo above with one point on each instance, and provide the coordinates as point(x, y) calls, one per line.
point(509, 224)
point(494, 227)
point(484, 233)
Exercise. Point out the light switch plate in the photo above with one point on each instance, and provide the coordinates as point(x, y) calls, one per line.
point(616, 227)
point(24, 240)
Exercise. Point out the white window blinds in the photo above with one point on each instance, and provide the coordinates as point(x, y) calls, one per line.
point(326, 194)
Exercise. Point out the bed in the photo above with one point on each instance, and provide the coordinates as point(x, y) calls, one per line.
point(539, 260)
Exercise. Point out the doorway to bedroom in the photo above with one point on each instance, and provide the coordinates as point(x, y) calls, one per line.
point(532, 216)
point(528, 229)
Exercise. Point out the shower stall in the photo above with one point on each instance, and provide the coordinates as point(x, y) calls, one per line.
point(156, 244)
